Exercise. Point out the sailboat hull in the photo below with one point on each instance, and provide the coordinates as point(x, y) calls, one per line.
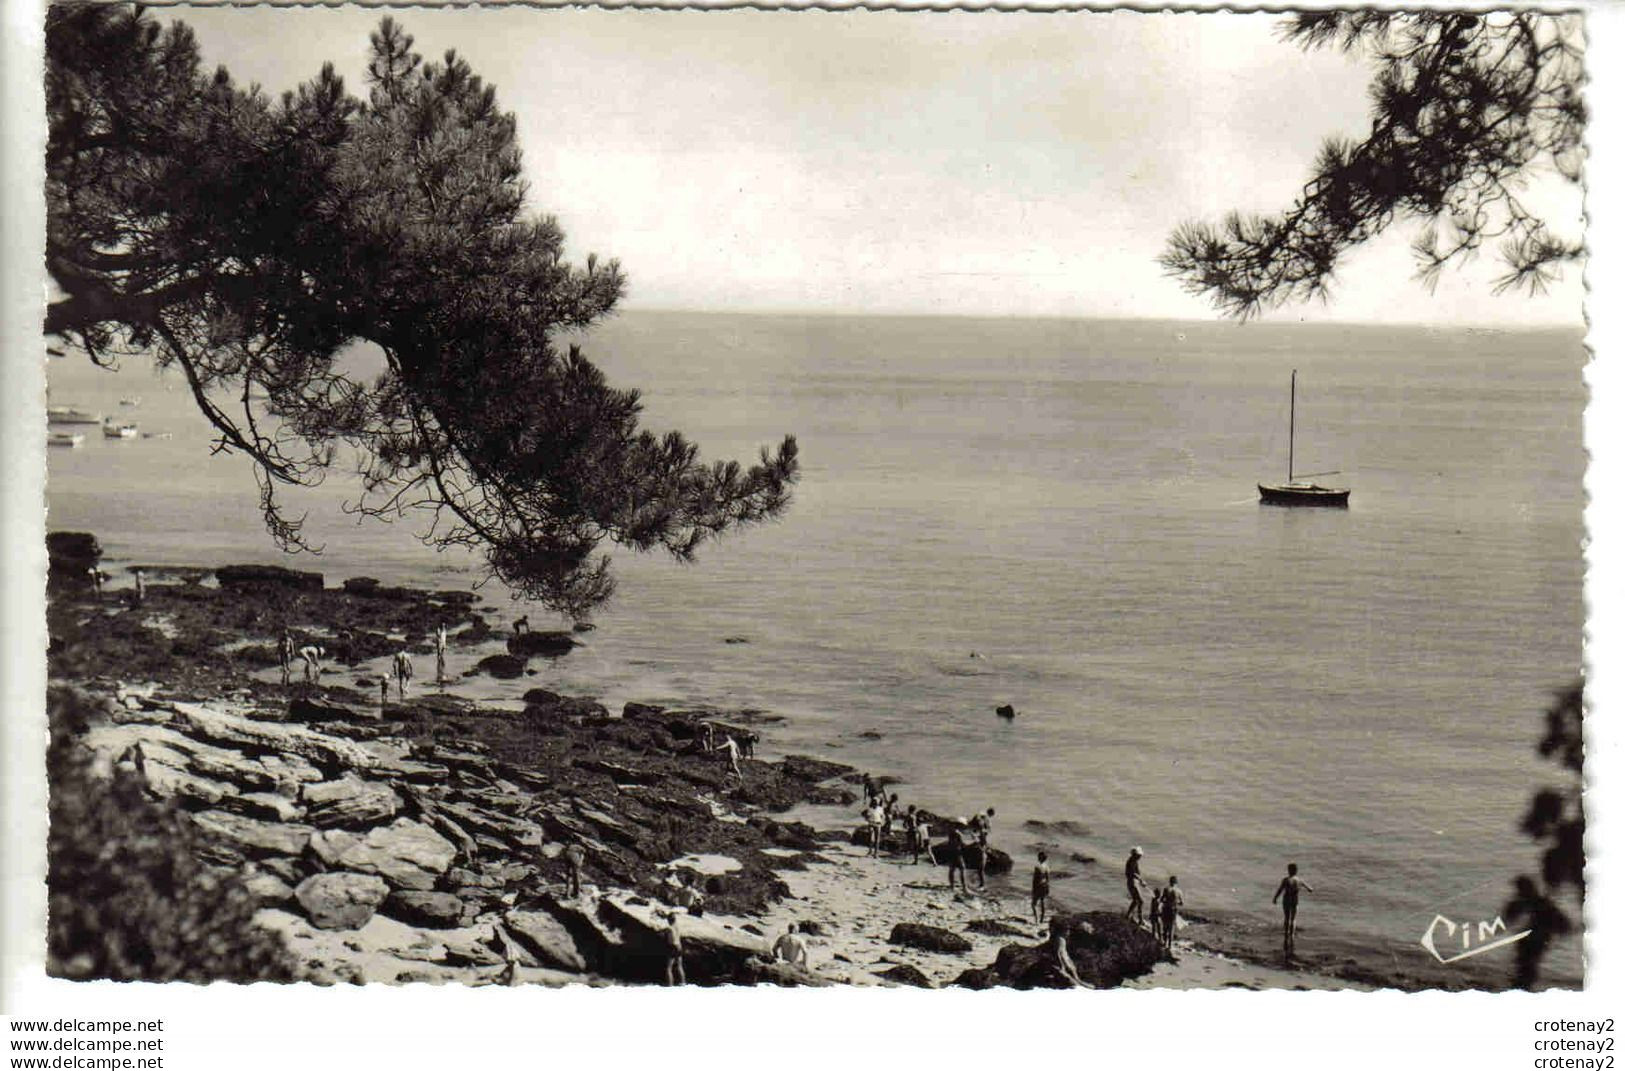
point(1303, 495)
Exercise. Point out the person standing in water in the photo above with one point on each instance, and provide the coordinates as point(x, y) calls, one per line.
point(1131, 871)
point(1287, 894)
point(1041, 887)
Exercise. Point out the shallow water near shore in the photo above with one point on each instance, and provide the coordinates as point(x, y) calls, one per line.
point(1227, 685)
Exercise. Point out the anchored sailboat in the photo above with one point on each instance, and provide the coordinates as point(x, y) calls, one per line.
point(1298, 491)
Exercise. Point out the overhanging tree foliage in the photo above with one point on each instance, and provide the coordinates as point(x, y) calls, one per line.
point(247, 242)
point(1556, 819)
point(1466, 108)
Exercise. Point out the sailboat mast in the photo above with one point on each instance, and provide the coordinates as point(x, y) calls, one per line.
point(1291, 425)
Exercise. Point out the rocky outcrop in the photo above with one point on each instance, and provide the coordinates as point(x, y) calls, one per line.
point(906, 974)
point(540, 644)
point(1106, 949)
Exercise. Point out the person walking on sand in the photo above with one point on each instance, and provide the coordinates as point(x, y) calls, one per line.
point(312, 656)
point(922, 839)
point(875, 819)
point(575, 859)
point(403, 673)
point(1287, 894)
point(440, 654)
point(956, 857)
point(1041, 887)
point(1131, 871)
point(1172, 900)
point(674, 951)
point(911, 832)
point(791, 947)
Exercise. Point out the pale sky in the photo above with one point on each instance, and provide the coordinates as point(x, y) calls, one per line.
point(987, 164)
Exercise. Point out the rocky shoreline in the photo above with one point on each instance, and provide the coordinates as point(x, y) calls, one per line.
point(425, 839)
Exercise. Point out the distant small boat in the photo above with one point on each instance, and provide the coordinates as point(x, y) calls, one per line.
point(129, 403)
point(116, 429)
point(1298, 491)
point(67, 414)
point(64, 438)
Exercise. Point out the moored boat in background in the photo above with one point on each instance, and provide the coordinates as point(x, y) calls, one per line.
point(1298, 491)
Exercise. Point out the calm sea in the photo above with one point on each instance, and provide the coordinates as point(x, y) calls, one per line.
point(1227, 685)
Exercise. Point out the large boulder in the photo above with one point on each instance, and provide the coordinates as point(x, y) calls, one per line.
point(349, 802)
point(240, 575)
point(928, 938)
point(341, 901)
point(539, 702)
point(501, 666)
point(546, 938)
point(406, 853)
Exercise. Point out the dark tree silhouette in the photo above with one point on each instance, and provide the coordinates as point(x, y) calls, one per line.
point(1556, 819)
point(247, 242)
point(1466, 108)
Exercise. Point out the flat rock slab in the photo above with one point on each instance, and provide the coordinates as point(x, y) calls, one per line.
point(273, 737)
point(250, 837)
point(349, 802)
point(407, 853)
